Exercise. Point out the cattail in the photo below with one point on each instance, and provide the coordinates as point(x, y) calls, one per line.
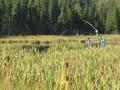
point(7, 63)
point(53, 84)
point(8, 73)
point(66, 64)
point(67, 78)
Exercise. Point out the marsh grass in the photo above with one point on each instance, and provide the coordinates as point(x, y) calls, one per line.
point(63, 66)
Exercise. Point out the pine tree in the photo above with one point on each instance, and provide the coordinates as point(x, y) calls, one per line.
point(58, 16)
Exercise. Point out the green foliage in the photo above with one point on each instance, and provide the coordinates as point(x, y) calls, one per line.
point(111, 21)
point(55, 16)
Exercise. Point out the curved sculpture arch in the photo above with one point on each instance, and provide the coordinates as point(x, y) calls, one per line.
point(96, 30)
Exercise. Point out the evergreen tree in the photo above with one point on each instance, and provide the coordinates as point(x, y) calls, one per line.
point(58, 16)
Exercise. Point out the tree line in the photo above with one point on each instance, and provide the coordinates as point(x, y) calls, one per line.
point(61, 17)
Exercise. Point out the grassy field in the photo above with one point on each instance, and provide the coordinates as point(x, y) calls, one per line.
point(59, 63)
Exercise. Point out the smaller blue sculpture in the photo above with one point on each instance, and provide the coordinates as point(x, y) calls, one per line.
point(102, 42)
